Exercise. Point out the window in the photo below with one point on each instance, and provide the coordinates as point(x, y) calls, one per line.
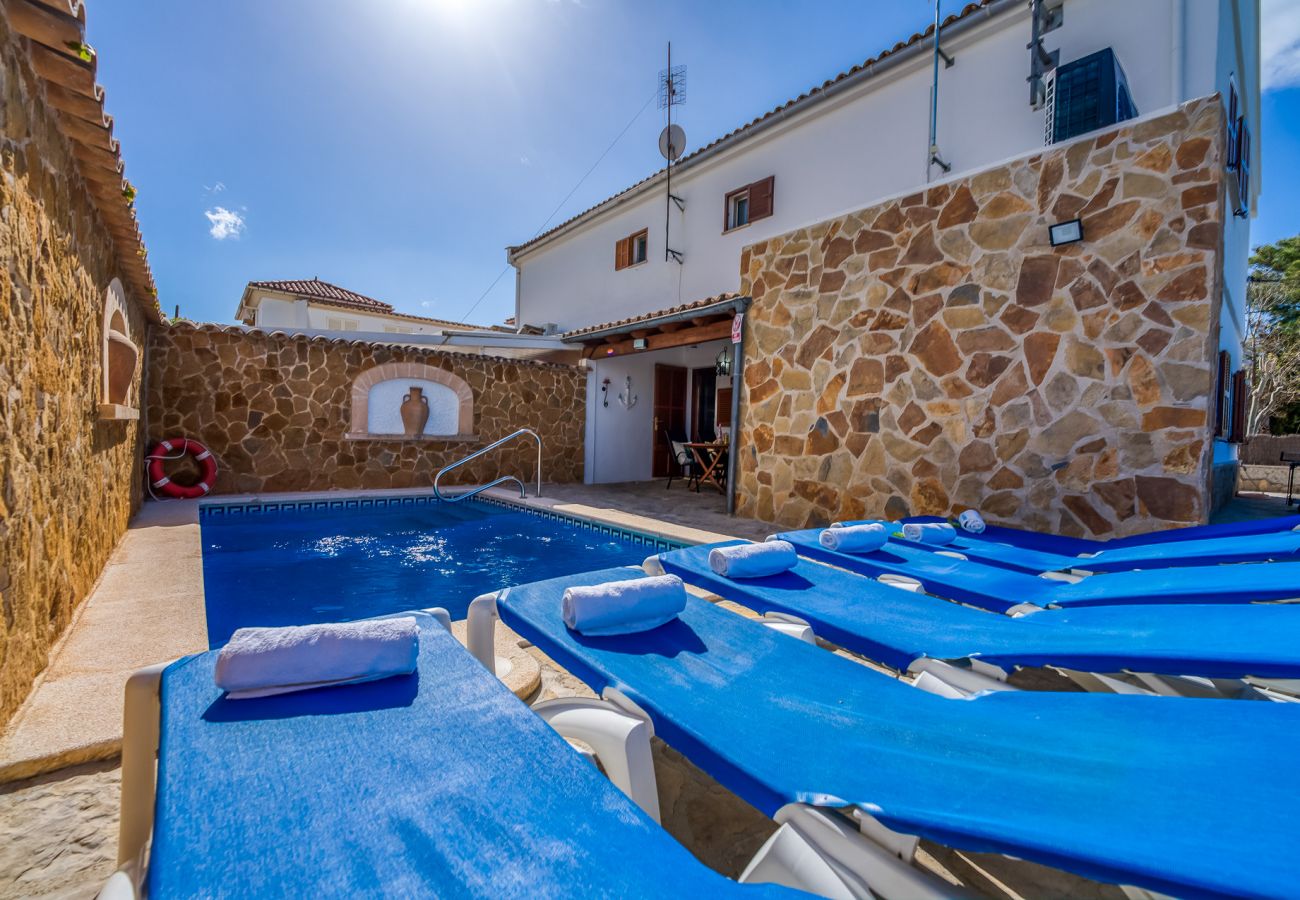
point(748, 204)
point(1090, 93)
point(631, 251)
point(1223, 382)
point(739, 213)
point(1240, 402)
point(1238, 152)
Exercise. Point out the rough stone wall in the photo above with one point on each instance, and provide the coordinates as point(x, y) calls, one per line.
point(276, 409)
point(934, 352)
point(68, 482)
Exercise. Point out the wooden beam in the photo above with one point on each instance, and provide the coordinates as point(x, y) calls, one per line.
point(670, 327)
point(696, 335)
point(641, 332)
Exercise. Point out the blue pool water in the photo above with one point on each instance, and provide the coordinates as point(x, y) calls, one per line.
point(297, 567)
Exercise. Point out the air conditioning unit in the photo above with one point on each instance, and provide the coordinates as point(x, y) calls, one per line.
point(1085, 95)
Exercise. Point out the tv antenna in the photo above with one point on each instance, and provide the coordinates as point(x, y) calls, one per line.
point(672, 140)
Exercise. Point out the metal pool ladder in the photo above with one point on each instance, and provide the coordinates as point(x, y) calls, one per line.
point(504, 478)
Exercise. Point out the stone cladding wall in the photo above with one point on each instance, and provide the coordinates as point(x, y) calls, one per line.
point(68, 482)
point(934, 352)
point(276, 411)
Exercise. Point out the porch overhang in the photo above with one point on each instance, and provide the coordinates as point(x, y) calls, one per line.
point(693, 323)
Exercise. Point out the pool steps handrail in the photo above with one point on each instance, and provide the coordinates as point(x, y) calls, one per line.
point(502, 480)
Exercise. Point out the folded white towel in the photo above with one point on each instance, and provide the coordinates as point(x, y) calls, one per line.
point(854, 538)
point(261, 662)
point(971, 521)
point(753, 560)
point(623, 607)
point(930, 532)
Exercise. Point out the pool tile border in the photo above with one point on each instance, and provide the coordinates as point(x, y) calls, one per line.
point(226, 512)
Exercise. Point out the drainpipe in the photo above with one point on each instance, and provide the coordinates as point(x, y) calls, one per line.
point(737, 367)
point(1176, 66)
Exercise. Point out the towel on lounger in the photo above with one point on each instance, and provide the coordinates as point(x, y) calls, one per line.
point(930, 532)
point(753, 560)
point(971, 521)
point(854, 538)
point(623, 607)
point(261, 662)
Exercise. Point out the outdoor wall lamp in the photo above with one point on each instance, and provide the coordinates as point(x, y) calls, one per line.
point(722, 365)
point(1070, 232)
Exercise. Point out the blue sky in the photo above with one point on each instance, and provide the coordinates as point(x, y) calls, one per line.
point(396, 147)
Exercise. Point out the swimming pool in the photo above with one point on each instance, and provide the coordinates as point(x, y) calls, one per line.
point(332, 561)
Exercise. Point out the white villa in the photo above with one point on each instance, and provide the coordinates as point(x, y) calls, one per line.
point(637, 259)
point(321, 306)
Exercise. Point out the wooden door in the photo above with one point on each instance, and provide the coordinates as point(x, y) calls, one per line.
point(669, 415)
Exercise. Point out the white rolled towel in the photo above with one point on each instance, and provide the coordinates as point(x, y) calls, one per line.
point(972, 521)
point(261, 662)
point(753, 560)
point(854, 538)
point(930, 532)
point(623, 607)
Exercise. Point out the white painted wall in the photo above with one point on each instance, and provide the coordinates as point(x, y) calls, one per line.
point(864, 146)
point(619, 440)
point(278, 312)
point(384, 406)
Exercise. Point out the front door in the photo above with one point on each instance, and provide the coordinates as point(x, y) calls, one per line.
point(669, 415)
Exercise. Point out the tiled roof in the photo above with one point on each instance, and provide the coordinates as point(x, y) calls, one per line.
point(332, 295)
point(743, 131)
point(60, 57)
point(706, 303)
point(323, 290)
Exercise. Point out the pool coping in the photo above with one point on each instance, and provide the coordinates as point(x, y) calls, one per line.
point(636, 527)
point(73, 712)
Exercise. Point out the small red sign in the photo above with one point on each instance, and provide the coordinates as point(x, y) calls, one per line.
point(736, 324)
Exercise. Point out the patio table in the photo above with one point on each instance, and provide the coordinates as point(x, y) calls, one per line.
point(710, 456)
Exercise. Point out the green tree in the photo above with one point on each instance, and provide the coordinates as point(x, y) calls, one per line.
point(1278, 266)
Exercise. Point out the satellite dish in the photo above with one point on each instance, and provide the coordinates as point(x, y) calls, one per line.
point(672, 141)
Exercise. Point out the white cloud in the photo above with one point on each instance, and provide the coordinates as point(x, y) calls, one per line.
point(1280, 44)
point(214, 189)
point(525, 160)
point(427, 304)
point(225, 224)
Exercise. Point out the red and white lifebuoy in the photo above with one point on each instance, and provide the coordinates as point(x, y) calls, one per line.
point(175, 448)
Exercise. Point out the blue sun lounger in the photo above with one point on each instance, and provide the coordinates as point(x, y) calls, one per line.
point(1281, 546)
point(898, 627)
point(438, 784)
point(1000, 590)
point(1072, 546)
point(1126, 789)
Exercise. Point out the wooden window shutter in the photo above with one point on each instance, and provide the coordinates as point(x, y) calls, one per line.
point(622, 252)
point(760, 198)
point(1221, 394)
point(1239, 404)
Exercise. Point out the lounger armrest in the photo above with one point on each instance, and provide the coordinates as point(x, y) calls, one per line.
point(480, 628)
point(620, 740)
point(794, 626)
point(966, 682)
point(140, 728)
point(652, 566)
point(822, 852)
point(121, 885)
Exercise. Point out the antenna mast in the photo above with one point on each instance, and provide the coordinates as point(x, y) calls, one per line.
point(672, 92)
